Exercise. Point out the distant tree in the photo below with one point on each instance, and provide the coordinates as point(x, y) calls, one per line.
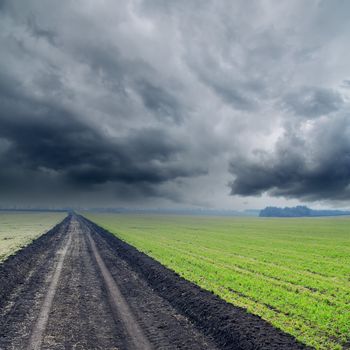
point(299, 211)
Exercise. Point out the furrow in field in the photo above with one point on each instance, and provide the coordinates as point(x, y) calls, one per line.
point(306, 330)
point(326, 289)
point(299, 304)
point(318, 265)
point(263, 257)
point(295, 274)
point(263, 240)
point(329, 295)
point(261, 275)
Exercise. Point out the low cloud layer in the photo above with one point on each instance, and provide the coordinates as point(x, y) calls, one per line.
point(300, 166)
point(150, 103)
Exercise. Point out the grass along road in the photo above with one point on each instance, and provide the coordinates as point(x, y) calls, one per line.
point(19, 229)
point(292, 272)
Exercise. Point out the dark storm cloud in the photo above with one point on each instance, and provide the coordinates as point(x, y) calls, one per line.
point(86, 157)
point(44, 137)
point(300, 167)
point(49, 129)
point(147, 99)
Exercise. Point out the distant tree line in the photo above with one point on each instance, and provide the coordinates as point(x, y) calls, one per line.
point(299, 211)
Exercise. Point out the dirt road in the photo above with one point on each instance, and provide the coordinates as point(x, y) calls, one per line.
point(77, 287)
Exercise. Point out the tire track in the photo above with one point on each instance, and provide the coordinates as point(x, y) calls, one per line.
point(40, 325)
point(137, 338)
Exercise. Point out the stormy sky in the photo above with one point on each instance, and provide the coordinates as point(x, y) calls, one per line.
point(219, 104)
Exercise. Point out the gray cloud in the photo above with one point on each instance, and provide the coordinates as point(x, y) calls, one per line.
point(346, 83)
point(313, 101)
point(41, 32)
point(39, 137)
point(309, 165)
point(157, 103)
point(160, 102)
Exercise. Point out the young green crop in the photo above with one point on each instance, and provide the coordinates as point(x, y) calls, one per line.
point(19, 229)
point(294, 273)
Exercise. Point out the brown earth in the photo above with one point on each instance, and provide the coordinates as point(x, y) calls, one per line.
point(79, 287)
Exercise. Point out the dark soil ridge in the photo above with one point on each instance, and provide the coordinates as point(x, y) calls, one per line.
point(14, 270)
point(231, 327)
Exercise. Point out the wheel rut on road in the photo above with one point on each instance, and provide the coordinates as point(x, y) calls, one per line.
point(120, 306)
point(79, 287)
point(41, 322)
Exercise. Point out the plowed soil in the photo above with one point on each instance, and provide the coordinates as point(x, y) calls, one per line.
point(79, 287)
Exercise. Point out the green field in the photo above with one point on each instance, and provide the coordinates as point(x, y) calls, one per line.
point(19, 229)
point(295, 273)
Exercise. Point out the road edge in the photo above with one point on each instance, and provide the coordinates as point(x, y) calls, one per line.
point(14, 269)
